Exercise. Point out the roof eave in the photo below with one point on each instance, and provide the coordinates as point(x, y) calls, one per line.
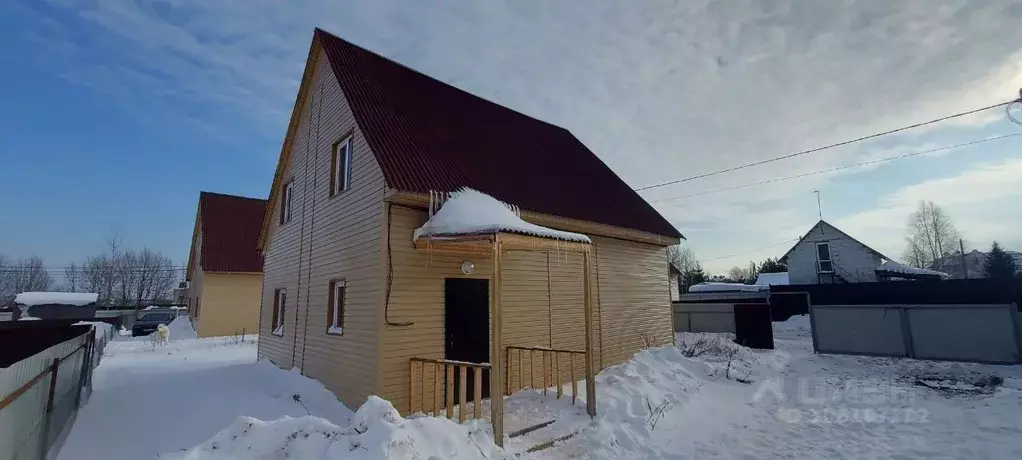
point(421, 201)
point(292, 129)
point(196, 230)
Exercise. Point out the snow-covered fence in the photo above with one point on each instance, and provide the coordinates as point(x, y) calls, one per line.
point(976, 333)
point(42, 392)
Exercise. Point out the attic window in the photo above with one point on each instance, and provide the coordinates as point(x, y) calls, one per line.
point(340, 166)
point(824, 262)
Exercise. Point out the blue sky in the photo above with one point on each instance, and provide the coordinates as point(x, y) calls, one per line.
point(121, 111)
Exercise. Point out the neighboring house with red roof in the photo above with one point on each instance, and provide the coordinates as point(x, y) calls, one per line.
point(352, 299)
point(225, 270)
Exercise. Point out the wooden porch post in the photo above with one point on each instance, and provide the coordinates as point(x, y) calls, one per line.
point(590, 368)
point(496, 370)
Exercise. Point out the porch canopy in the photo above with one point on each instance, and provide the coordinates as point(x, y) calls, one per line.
point(472, 222)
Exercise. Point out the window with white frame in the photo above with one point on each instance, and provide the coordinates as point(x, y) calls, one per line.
point(287, 198)
point(279, 311)
point(335, 316)
point(824, 262)
point(340, 166)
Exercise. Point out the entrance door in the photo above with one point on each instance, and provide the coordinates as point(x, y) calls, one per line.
point(467, 327)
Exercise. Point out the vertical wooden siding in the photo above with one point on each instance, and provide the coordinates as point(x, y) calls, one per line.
point(634, 297)
point(329, 237)
point(417, 297)
point(542, 299)
point(230, 304)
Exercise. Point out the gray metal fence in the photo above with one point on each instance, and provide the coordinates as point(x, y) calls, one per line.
point(42, 394)
point(704, 317)
point(976, 333)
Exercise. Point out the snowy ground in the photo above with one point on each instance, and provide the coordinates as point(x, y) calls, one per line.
point(152, 400)
point(791, 403)
point(705, 398)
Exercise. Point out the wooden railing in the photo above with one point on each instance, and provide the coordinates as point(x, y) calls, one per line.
point(556, 367)
point(435, 378)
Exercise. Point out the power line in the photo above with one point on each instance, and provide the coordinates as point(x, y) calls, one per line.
point(79, 269)
point(838, 168)
point(830, 146)
point(752, 250)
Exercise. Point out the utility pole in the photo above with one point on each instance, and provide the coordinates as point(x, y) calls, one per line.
point(965, 270)
point(819, 209)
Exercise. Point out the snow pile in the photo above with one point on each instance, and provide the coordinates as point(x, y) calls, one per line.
point(471, 212)
point(376, 431)
point(895, 267)
point(181, 329)
point(772, 279)
point(28, 318)
point(627, 392)
point(103, 330)
point(61, 298)
point(726, 287)
point(797, 328)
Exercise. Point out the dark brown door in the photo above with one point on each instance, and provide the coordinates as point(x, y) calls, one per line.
point(466, 327)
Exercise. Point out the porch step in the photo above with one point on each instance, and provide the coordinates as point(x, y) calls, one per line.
point(527, 430)
point(543, 445)
point(550, 443)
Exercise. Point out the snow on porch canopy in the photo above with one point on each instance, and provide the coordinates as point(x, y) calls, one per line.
point(471, 212)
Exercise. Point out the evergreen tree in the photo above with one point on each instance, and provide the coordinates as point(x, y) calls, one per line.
point(772, 266)
point(692, 276)
point(999, 264)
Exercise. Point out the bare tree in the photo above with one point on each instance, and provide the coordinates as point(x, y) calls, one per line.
point(682, 257)
point(914, 254)
point(72, 277)
point(5, 277)
point(100, 274)
point(127, 277)
point(147, 275)
point(738, 274)
point(26, 275)
point(931, 234)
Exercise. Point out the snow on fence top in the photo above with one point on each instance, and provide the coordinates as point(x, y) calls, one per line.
point(895, 267)
point(726, 287)
point(471, 212)
point(79, 299)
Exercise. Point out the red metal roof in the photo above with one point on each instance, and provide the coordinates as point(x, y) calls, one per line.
point(427, 135)
point(230, 231)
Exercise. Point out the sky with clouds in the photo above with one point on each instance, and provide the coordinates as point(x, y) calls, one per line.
point(121, 111)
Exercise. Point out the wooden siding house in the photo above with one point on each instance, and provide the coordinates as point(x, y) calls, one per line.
point(351, 299)
point(225, 271)
point(827, 255)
